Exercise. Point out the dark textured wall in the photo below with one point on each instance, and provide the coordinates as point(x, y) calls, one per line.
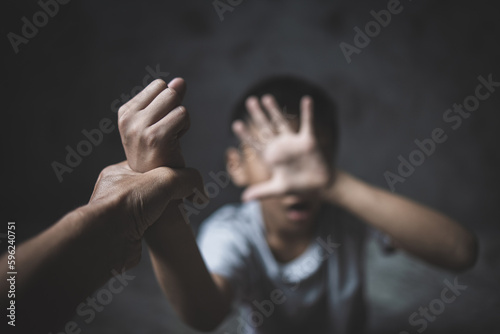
point(394, 91)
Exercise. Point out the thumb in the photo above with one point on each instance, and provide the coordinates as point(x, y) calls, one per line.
point(162, 185)
point(179, 183)
point(262, 190)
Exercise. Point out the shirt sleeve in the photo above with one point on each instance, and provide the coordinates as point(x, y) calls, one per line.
point(226, 251)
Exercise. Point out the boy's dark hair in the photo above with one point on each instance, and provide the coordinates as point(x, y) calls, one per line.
point(288, 91)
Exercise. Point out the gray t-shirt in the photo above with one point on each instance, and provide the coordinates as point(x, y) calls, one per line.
point(321, 291)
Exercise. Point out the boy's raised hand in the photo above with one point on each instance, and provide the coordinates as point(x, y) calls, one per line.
point(151, 125)
point(294, 158)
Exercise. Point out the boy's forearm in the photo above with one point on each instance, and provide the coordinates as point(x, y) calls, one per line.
point(182, 273)
point(418, 229)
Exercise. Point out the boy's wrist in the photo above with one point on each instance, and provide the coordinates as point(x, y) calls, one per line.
point(339, 191)
point(170, 222)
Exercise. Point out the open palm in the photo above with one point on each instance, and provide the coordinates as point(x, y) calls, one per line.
point(294, 158)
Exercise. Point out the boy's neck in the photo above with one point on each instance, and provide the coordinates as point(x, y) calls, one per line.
point(286, 245)
point(285, 251)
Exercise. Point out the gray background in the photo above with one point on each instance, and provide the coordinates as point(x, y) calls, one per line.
point(393, 92)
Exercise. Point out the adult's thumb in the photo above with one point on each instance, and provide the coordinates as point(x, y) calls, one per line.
point(178, 183)
point(162, 185)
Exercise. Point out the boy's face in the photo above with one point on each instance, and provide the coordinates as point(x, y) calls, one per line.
point(288, 214)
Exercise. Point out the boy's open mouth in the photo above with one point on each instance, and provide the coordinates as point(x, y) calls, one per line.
point(299, 211)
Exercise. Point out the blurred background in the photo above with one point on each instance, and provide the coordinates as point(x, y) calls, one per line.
point(69, 76)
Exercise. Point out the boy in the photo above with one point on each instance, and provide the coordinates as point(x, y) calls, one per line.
point(286, 255)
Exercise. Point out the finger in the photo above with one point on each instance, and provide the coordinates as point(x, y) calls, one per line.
point(162, 186)
point(274, 110)
point(178, 183)
point(165, 102)
point(306, 115)
point(175, 124)
point(179, 85)
point(259, 119)
point(243, 133)
point(262, 190)
point(144, 97)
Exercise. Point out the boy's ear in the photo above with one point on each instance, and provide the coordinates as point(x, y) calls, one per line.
point(235, 167)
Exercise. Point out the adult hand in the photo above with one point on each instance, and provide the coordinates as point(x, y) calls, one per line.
point(295, 159)
point(136, 200)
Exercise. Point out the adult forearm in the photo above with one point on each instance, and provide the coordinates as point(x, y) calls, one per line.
point(59, 268)
point(415, 228)
point(182, 273)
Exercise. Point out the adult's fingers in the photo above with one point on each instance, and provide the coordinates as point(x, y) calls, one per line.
point(274, 110)
point(306, 115)
point(144, 97)
point(179, 183)
point(162, 185)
